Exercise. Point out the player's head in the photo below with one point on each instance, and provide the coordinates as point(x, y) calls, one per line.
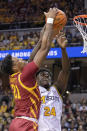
point(11, 65)
point(44, 77)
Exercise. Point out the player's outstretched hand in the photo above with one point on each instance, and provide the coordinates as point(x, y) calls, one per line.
point(51, 13)
point(61, 39)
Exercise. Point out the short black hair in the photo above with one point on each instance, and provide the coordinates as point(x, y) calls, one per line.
point(42, 70)
point(6, 65)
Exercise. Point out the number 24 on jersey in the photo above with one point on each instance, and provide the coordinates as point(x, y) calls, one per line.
point(48, 111)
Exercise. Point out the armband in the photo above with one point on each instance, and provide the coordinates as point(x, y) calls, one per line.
point(50, 20)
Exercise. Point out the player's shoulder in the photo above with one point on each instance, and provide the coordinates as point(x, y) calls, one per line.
point(42, 89)
point(55, 91)
point(53, 88)
point(14, 74)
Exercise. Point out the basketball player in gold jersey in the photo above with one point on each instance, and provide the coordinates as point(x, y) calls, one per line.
point(51, 94)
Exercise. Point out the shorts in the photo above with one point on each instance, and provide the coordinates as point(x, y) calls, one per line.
point(19, 124)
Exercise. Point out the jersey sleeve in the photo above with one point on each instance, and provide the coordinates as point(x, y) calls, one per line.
point(28, 74)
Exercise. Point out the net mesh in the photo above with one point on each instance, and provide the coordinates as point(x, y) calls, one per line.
point(81, 25)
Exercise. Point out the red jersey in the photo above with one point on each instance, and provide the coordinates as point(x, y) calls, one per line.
point(26, 92)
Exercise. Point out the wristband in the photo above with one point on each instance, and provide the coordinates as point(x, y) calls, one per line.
point(50, 20)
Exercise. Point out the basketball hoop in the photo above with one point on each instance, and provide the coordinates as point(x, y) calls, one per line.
point(80, 22)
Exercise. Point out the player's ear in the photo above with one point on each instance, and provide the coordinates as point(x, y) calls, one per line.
point(14, 68)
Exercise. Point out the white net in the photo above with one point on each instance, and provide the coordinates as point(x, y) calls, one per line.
point(81, 24)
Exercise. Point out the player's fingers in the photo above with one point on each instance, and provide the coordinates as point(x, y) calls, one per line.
point(55, 9)
point(50, 9)
point(61, 39)
point(62, 35)
point(65, 41)
point(59, 35)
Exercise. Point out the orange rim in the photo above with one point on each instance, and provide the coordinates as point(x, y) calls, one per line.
point(80, 16)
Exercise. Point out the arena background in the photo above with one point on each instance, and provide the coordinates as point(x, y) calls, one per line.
point(20, 25)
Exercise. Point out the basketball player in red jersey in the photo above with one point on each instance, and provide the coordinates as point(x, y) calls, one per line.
point(23, 82)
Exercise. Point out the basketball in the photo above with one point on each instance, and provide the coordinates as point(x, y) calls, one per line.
point(60, 20)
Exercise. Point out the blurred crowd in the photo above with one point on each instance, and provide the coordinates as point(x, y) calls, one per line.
point(6, 111)
point(15, 40)
point(12, 11)
point(74, 117)
point(28, 39)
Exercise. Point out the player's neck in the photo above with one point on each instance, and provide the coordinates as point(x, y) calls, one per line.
point(46, 87)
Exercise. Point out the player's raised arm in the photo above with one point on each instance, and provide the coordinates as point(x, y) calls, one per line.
point(44, 48)
point(47, 37)
point(38, 45)
point(63, 76)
